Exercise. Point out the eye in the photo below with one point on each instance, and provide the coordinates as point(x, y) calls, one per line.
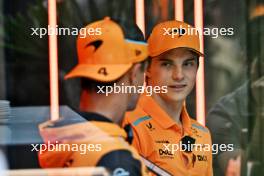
point(166, 64)
point(189, 63)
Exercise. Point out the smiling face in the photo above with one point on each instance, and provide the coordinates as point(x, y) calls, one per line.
point(176, 69)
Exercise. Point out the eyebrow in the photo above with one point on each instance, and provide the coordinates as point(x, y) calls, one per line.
point(190, 59)
point(164, 59)
point(169, 60)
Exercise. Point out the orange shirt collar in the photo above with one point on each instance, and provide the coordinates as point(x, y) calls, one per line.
point(152, 108)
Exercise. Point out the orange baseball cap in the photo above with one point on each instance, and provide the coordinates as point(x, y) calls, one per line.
point(106, 55)
point(173, 34)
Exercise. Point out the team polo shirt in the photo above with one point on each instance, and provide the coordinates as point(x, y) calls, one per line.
point(156, 137)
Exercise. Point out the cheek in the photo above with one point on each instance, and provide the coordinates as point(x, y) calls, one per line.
point(159, 76)
point(191, 76)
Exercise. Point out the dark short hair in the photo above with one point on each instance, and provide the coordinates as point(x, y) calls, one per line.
point(196, 58)
point(92, 85)
point(131, 30)
point(145, 64)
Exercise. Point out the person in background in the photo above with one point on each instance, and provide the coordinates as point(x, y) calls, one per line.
point(237, 117)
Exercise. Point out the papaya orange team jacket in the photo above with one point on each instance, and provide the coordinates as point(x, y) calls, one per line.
point(97, 142)
point(154, 134)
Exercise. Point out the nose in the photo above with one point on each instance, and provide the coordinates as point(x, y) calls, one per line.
point(177, 73)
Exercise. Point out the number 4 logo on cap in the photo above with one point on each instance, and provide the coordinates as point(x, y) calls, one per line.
point(102, 71)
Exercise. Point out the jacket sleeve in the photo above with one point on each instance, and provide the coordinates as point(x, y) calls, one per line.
point(53, 159)
point(121, 162)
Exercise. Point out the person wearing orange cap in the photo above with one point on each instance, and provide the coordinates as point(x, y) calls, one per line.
point(115, 57)
point(170, 142)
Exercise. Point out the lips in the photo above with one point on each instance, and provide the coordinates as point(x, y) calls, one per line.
point(177, 87)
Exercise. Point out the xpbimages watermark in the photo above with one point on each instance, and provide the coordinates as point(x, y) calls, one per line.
point(189, 30)
point(83, 32)
point(59, 147)
point(149, 90)
point(215, 148)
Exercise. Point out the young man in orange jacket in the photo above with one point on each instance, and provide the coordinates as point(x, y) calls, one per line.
point(111, 57)
point(164, 134)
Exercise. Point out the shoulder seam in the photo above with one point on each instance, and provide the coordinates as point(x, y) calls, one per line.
point(200, 127)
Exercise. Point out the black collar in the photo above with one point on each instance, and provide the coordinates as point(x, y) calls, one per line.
point(91, 116)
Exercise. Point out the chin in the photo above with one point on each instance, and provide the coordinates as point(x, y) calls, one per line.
point(173, 96)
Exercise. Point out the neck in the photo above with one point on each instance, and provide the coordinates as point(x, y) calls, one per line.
point(172, 108)
point(108, 106)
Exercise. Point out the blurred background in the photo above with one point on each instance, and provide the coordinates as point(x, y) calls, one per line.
point(231, 62)
point(24, 59)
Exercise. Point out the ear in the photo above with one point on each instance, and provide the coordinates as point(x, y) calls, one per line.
point(135, 70)
point(147, 72)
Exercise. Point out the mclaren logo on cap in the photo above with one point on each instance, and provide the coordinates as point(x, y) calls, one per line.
point(179, 31)
point(96, 44)
point(102, 71)
point(174, 32)
point(137, 52)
